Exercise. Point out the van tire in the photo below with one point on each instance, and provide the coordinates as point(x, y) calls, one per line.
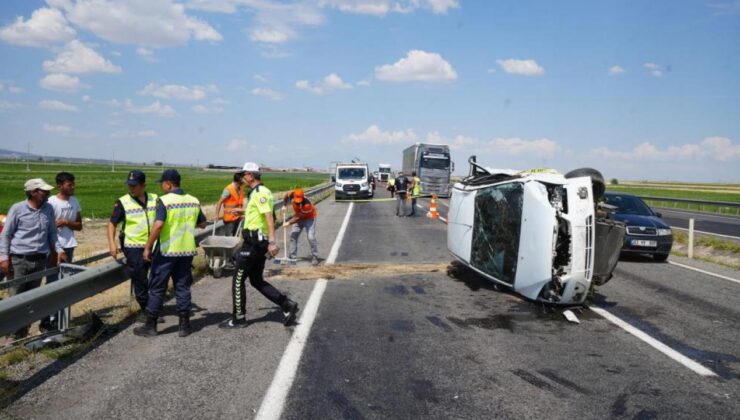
point(597, 180)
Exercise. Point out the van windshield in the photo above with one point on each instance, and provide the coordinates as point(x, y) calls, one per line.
point(351, 173)
point(496, 230)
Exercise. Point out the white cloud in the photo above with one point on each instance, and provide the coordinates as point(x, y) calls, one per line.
point(267, 93)
point(61, 82)
point(192, 93)
point(615, 70)
point(237, 145)
point(491, 71)
point(55, 105)
point(521, 67)
point(384, 7)
point(373, 135)
point(78, 58)
point(418, 66)
point(146, 54)
point(132, 134)
point(328, 84)
point(515, 146)
point(654, 69)
point(59, 129)
point(713, 148)
point(207, 109)
point(45, 27)
point(15, 89)
point(363, 83)
point(260, 78)
point(271, 35)
point(149, 23)
point(5, 105)
point(155, 108)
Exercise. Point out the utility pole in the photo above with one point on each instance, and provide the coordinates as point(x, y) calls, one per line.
point(28, 157)
point(113, 161)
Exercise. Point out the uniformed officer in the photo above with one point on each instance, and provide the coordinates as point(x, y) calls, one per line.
point(259, 240)
point(136, 210)
point(415, 191)
point(177, 215)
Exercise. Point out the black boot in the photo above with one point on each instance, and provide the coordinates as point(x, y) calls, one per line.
point(149, 329)
point(290, 309)
point(185, 328)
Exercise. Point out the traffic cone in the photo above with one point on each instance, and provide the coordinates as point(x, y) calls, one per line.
point(433, 208)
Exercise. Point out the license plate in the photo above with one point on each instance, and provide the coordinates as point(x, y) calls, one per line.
point(645, 243)
point(351, 192)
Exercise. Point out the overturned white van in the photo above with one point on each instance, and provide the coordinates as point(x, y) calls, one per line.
point(536, 231)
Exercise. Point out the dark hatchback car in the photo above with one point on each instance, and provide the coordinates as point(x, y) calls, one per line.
point(646, 232)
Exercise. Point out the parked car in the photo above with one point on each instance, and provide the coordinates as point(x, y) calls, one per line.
point(646, 232)
point(535, 231)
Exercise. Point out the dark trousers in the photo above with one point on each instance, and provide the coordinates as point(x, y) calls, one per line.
point(137, 269)
point(180, 268)
point(23, 267)
point(413, 206)
point(230, 228)
point(250, 262)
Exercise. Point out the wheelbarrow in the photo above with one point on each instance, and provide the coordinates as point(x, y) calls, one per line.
point(220, 250)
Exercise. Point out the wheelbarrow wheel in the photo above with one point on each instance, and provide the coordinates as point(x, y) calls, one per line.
point(217, 272)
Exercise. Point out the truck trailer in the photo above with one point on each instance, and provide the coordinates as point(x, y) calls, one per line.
point(432, 165)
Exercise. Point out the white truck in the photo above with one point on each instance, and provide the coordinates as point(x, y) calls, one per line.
point(538, 232)
point(384, 172)
point(352, 180)
point(432, 165)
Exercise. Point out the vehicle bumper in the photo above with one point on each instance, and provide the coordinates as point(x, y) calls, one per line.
point(664, 244)
point(346, 195)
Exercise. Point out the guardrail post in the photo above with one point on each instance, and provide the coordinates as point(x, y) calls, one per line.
point(691, 238)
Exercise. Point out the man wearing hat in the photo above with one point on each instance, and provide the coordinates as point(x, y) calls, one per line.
point(29, 234)
point(259, 240)
point(304, 217)
point(136, 211)
point(177, 216)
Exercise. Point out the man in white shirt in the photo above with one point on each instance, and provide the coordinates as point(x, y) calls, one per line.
point(68, 220)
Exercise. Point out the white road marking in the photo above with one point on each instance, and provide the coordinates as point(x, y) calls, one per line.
point(709, 273)
point(673, 354)
point(274, 401)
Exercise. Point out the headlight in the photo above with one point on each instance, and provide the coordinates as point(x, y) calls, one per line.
point(364, 185)
point(339, 185)
point(664, 232)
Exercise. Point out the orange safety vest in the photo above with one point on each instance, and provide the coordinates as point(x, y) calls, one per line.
point(305, 210)
point(235, 201)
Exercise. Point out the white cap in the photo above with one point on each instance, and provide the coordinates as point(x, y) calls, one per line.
point(37, 184)
point(250, 167)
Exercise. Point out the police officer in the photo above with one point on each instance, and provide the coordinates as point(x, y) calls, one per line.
point(177, 215)
point(415, 191)
point(136, 210)
point(259, 240)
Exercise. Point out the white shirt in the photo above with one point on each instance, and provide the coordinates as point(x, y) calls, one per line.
point(68, 210)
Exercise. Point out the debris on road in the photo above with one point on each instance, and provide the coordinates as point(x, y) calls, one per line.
point(350, 271)
point(571, 317)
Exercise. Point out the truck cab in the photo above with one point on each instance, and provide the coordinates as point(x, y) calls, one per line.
point(384, 172)
point(352, 180)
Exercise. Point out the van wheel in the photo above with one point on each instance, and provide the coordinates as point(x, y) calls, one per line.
point(597, 180)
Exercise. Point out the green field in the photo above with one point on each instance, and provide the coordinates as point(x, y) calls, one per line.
point(691, 194)
point(98, 187)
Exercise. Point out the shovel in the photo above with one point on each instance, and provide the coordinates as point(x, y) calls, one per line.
point(285, 260)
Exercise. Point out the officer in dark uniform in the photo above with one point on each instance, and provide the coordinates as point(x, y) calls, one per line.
point(177, 216)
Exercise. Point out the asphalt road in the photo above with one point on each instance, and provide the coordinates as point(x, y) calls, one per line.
point(712, 223)
point(434, 343)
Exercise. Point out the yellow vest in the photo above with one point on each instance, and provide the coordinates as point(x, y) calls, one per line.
point(417, 186)
point(177, 238)
point(139, 221)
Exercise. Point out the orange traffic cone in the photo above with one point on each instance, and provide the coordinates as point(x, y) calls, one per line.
point(433, 208)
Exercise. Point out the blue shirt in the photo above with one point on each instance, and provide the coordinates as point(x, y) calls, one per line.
point(29, 231)
point(162, 210)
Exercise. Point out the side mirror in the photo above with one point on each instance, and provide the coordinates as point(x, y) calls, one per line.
point(452, 166)
point(659, 214)
point(333, 178)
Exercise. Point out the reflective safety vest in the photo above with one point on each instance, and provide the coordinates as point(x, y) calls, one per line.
point(177, 238)
point(305, 210)
point(138, 222)
point(235, 201)
point(417, 186)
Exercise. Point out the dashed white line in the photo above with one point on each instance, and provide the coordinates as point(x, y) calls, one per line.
point(274, 401)
point(709, 273)
point(673, 354)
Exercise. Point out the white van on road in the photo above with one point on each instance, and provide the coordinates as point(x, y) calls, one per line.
point(352, 180)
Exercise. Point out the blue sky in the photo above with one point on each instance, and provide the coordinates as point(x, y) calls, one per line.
point(638, 89)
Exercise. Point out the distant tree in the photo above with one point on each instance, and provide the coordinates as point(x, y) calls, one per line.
point(614, 181)
point(157, 163)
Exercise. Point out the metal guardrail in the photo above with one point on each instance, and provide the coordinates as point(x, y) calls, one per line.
point(734, 208)
point(30, 306)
